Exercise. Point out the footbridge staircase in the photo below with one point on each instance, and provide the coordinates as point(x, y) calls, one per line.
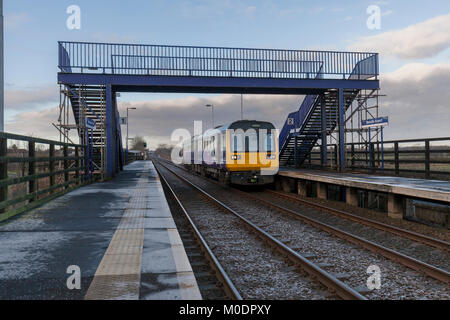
point(319, 115)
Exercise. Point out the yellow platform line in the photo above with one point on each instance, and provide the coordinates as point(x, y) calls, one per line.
point(118, 276)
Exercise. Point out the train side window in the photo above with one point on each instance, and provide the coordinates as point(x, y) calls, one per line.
point(224, 142)
point(270, 142)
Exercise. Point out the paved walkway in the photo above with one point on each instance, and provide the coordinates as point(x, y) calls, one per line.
point(120, 234)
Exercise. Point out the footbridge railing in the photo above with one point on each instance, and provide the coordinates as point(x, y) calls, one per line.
point(134, 59)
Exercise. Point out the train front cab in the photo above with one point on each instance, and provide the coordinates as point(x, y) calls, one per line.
point(250, 162)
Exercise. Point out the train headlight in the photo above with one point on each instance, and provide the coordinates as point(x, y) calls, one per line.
point(236, 157)
point(271, 157)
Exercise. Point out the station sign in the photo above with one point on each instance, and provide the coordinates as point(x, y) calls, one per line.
point(376, 122)
point(91, 124)
point(291, 121)
point(123, 121)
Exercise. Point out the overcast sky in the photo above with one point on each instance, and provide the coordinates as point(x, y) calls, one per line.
point(413, 43)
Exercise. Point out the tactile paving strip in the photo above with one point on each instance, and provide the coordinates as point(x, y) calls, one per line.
point(118, 275)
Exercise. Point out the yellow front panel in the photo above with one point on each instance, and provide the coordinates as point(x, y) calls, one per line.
point(252, 161)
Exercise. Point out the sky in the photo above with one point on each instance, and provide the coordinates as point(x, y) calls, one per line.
point(413, 41)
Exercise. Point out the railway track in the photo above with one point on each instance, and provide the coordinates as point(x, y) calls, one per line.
point(296, 260)
point(417, 265)
point(390, 254)
point(213, 281)
point(437, 243)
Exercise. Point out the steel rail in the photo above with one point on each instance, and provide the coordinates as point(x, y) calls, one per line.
point(440, 244)
point(225, 280)
point(436, 273)
point(331, 282)
point(412, 263)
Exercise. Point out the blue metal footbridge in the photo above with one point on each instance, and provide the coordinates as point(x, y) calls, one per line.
point(93, 73)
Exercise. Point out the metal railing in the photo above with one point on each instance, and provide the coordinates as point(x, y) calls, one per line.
point(419, 158)
point(34, 175)
point(134, 59)
point(298, 118)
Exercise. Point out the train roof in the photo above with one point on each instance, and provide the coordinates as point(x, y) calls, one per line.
point(248, 124)
point(242, 124)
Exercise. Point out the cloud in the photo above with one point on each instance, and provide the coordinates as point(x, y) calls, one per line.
point(35, 123)
point(27, 99)
point(16, 20)
point(417, 100)
point(422, 40)
point(156, 120)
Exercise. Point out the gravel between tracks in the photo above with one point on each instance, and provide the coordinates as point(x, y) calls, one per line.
point(254, 268)
point(419, 251)
point(434, 232)
point(398, 282)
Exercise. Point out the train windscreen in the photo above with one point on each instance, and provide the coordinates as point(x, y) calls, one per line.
point(250, 136)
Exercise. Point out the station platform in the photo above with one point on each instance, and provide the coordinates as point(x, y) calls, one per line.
point(397, 188)
point(420, 188)
point(119, 235)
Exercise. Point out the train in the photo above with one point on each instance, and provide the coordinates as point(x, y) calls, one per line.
point(244, 152)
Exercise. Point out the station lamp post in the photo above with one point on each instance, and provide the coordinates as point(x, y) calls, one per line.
point(242, 107)
point(212, 108)
point(127, 128)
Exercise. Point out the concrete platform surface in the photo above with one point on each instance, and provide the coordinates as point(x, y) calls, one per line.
point(119, 234)
point(421, 188)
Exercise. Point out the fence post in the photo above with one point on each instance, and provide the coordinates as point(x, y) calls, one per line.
point(3, 171)
point(66, 165)
point(397, 159)
point(427, 159)
point(52, 165)
point(32, 168)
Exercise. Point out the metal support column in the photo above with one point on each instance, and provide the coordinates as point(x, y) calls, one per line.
point(324, 151)
point(341, 130)
point(110, 133)
point(295, 151)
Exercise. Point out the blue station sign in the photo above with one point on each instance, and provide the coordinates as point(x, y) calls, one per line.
point(90, 123)
point(376, 122)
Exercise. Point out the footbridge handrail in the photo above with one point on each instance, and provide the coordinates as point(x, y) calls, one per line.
point(138, 59)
